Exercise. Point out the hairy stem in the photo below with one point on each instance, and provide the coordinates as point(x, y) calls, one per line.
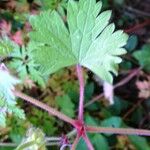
point(45, 107)
point(118, 131)
point(81, 99)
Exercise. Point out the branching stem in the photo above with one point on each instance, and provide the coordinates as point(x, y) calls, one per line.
point(80, 128)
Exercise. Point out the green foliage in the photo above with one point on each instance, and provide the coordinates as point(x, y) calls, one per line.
point(43, 120)
point(7, 98)
point(100, 142)
point(82, 145)
point(6, 46)
point(132, 43)
point(18, 129)
point(119, 106)
point(90, 120)
point(3, 119)
point(88, 40)
point(66, 105)
point(112, 122)
point(35, 139)
point(89, 90)
point(143, 56)
point(139, 142)
point(52, 4)
point(23, 63)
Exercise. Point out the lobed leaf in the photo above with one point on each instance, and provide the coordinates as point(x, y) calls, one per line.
point(7, 98)
point(88, 40)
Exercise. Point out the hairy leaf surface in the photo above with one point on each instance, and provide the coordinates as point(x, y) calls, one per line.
point(7, 98)
point(87, 39)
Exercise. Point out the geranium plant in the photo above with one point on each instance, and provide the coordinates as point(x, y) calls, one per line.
point(84, 39)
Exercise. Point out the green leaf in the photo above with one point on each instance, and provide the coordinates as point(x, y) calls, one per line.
point(66, 105)
point(114, 122)
point(7, 98)
point(18, 112)
point(89, 90)
point(81, 145)
point(99, 142)
point(7, 84)
point(52, 4)
point(88, 40)
point(90, 120)
point(132, 43)
point(25, 66)
point(118, 106)
point(6, 46)
point(2, 119)
point(143, 56)
point(35, 139)
point(139, 142)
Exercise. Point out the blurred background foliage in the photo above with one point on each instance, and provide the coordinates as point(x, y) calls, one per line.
point(131, 101)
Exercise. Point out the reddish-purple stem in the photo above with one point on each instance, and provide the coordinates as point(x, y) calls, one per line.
point(73, 147)
point(81, 99)
point(88, 142)
point(45, 107)
point(121, 83)
point(125, 131)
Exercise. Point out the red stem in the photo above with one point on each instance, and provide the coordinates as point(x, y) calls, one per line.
point(81, 99)
point(118, 131)
point(88, 142)
point(121, 83)
point(138, 26)
point(75, 142)
point(45, 107)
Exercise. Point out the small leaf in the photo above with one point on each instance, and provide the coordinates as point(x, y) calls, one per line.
point(143, 56)
point(66, 105)
point(25, 66)
point(81, 145)
point(139, 142)
point(19, 112)
point(6, 46)
point(131, 43)
point(90, 120)
point(7, 98)
point(7, 83)
point(114, 122)
point(2, 118)
point(34, 140)
point(100, 142)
